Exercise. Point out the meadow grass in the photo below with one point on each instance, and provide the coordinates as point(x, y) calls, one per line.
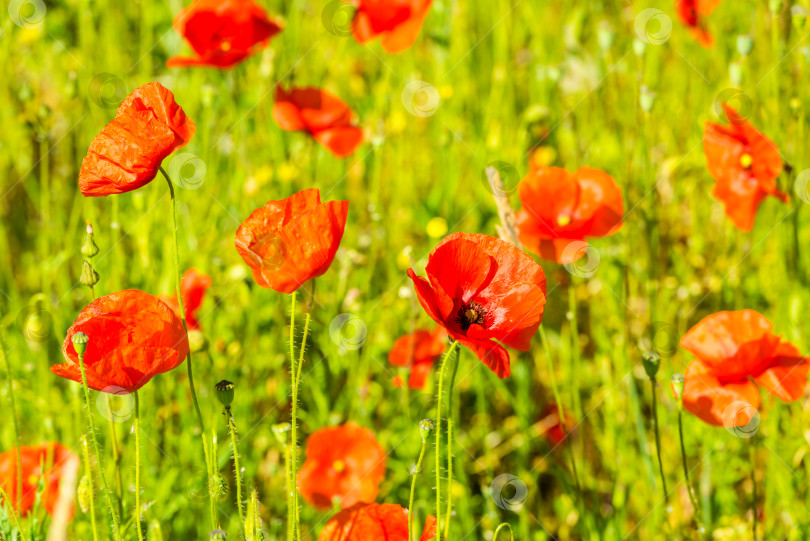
point(513, 76)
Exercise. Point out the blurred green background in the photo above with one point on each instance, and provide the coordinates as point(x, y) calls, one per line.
point(557, 82)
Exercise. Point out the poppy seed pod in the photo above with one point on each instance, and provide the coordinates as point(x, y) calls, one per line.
point(745, 44)
point(225, 392)
point(89, 275)
point(677, 388)
point(651, 361)
point(426, 426)
point(80, 343)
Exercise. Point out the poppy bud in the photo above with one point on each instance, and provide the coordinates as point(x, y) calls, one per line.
point(84, 493)
point(776, 6)
point(89, 275)
point(280, 430)
point(647, 99)
point(80, 343)
point(253, 520)
point(652, 361)
point(218, 487)
point(89, 248)
point(605, 35)
point(745, 43)
point(798, 16)
point(735, 71)
point(426, 426)
point(677, 389)
point(225, 392)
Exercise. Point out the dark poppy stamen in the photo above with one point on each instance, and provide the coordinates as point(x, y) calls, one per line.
point(471, 312)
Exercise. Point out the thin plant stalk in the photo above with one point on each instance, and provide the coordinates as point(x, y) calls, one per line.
point(14, 514)
point(658, 438)
point(237, 471)
point(188, 355)
point(501, 527)
point(413, 487)
point(13, 405)
point(119, 484)
point(753, 455)
point(88, 472)
point(453, 370)
point(689, 491)
point(137, 429)
point(107, 494)
point(447, 355)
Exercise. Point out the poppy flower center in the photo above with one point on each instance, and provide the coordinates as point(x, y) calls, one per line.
point(225, 46)
point(563, 220)
point(470, 313)
point(746, 160)
point(339, 466)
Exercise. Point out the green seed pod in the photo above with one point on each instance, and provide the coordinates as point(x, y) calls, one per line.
point(651, 361)
point(426, 426)
point(280, 431)
point(225, 392)
point(89, 248)
point(89, 276)
point(80, 342)
point(745, 44)
point(605, 35)
point(677, 389)
point(84, 493)
point(776, 6)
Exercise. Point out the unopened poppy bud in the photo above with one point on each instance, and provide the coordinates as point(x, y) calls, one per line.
point(776, 6)
point(798, 15)
point(639, 47)
point(280, 431)
point(677, 388)
point(80, 343)
point(745, 44)
point(426, 426)
point(218, 487)
point(652, 361)
point(89, 275)
point(646, 99)
point(89, 248)
point(197, 341)
point(253, 520)
point(84, 493)
point(795, 104)
point(735, 72)
point(225, 392)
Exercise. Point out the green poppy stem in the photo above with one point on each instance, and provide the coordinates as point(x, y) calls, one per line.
point(13, 422)
point(208, 461)
point(108, 495)
point(292, 493)
point(88, 472)
point(689, 491)
point(413, 487)
point(753, 456)
point(137, 429)
point(237, 471)
point(453, 370)
point(294, 435)
point(501, 527)
point(447, 355)
point(658, 438)
point(119, 484)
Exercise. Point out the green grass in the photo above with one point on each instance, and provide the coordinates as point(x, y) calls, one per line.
point(511, 75)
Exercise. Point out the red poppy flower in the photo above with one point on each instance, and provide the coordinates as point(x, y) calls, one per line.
point(287, 242)
point(482, 289)
point(745, 165)
point(373, 522)
point(223, 32)
point(692, 14)
point(133, 337)
point(59, 462)
point(419, 350)
point(193, 286)
point(344, 462)
point(552, 428)
point(147, 127)
point(320, 113)
point(396, 22)
point(735, 352)
point(560, 209)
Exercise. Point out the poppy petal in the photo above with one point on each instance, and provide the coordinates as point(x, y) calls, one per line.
point(729, 405)
point(786, 377)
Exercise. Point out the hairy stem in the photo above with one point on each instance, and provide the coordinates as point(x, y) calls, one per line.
point(137, 429)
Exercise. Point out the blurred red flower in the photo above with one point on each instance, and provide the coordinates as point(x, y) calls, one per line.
point(373, 522)
point(342, 462)
point(418, 350)
point(223, 32)
point(59, 462)
point(396, 22)
point(692, 14)
point(287, 242)
point(481, 288)
point(147, 127)
point(560, 209)
point(193, 286)
point(321, 114)
point(552, 428)
point(745, 165)
point(133, 337)
point(735, 352)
